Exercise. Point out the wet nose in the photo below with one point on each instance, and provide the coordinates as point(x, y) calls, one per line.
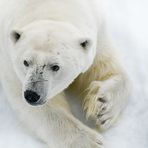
point(31, 97)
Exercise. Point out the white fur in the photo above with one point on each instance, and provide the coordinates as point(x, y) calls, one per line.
point(51, 32)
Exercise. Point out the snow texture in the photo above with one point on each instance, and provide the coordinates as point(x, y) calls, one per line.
point(127, 22)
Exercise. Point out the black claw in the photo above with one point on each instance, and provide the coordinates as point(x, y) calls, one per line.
point(99, 142)
point(99, 115)
point(104, 108)
point(103, 122)
point(102, 100)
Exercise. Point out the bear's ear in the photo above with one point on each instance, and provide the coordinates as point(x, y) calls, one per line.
point(15, 35)
point(85, 43)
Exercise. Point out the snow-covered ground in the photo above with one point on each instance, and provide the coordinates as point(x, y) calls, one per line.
point(127, 21)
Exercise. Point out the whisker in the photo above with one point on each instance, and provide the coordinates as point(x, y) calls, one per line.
point(39, 81)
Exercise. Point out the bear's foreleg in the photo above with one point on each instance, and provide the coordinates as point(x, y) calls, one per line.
point(104, 89)
point(56, 126)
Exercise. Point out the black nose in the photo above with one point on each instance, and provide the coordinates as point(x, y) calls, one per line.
point(31, 97)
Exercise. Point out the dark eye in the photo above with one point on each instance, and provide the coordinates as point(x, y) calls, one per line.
point(26, 63)
point(55, 68)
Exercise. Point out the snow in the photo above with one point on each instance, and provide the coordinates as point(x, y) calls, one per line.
point(127, 22)
point(128, 25)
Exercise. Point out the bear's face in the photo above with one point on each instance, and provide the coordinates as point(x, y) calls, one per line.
point(47, 57)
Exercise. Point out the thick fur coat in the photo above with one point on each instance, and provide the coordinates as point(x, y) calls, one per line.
point(49, 48)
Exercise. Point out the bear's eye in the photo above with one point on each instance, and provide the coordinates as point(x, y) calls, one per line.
point(84, 44)
point(55, 67)
point(16, 35)
point(26, 63)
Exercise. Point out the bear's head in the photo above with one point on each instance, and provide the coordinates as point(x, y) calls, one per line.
point(47, 56)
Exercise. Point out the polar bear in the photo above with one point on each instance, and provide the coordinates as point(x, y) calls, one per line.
point(53, 46)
